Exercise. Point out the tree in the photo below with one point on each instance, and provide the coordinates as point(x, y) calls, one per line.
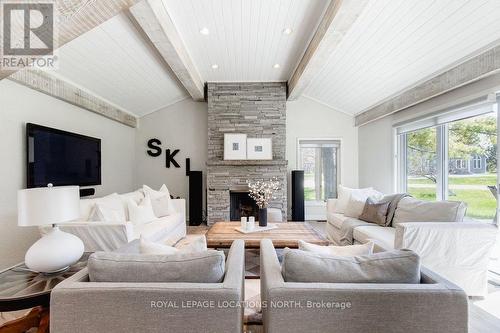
point(468, 137)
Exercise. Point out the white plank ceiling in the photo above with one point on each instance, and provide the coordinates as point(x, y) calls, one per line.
point(114, 62)
point(393, 45)
point(396, 44)
point(246, 37)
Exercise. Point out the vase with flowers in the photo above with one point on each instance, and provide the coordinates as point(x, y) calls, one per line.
point(263, 192)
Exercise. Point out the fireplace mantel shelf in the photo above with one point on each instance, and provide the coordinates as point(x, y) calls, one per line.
point(248, 162)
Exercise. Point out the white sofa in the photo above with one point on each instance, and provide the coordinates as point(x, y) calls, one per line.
point(108, 236)
point(459, 251)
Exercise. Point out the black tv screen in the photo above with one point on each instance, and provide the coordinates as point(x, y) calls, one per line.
point(62, 158)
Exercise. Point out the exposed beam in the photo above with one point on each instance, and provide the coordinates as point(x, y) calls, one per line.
point(474, 69)
point(337, 20)
point(65, 91)
point(155, 22)
point(78, 17)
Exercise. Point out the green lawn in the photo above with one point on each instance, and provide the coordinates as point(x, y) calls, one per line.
point(309, 194)
point(488, 179)
point(481, 204)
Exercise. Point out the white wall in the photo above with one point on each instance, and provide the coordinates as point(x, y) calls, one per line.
point(307, 118)
point(183, 126)
point(19, 105)
point(376, 155)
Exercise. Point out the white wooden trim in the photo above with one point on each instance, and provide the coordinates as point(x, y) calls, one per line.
point(152, 18)
point(339, 17)
point(55, 87)
point(474, 69)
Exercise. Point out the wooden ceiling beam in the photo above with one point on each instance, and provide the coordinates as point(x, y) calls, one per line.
point(337, 20)
point(478, 67)
point(78, 17)
point(153, 19)
point(53, 86)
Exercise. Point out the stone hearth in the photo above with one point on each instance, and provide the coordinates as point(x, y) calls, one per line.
point(258, 110)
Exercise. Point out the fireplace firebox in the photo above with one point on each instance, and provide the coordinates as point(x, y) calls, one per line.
point(242, 205)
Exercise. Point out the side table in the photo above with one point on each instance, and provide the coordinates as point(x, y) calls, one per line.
point(21, 289)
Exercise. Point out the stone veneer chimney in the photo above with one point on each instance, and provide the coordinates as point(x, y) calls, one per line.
point(258, 110)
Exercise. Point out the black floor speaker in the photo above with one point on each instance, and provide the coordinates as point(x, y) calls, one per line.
point(195, 197)
point(298, 209)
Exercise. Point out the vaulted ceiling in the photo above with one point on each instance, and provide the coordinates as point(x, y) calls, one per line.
point(390, 46)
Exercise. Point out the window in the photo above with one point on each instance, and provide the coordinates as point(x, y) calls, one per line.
point(454, 160)
point(461, 164)
point(319, 159)
point(477, 162)
point(421, 163)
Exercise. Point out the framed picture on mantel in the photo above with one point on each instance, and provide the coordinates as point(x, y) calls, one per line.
point(235, 146)
point(260, 149)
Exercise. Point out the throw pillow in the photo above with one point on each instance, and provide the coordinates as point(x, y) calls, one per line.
point(375, 211)
point(161, 201)
point(200, 267)
point(357, 201)
point(141, 213)
point(350, 250)
point(399, 266)
point(192, 245)
point(108, 209)
point(146, 247)
point(344, 193)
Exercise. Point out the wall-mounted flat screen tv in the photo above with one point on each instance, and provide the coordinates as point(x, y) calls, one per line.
point(61, 158)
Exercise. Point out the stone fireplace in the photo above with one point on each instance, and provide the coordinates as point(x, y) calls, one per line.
point(258, 110)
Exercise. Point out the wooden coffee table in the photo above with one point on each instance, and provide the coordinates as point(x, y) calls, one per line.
point(222, 235)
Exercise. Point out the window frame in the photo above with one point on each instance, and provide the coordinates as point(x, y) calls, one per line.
point(340, 153)
point(442, 157)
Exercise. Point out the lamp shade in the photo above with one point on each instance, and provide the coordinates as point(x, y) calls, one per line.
point(47, 205)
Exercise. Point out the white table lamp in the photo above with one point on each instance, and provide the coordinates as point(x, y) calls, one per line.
point(56, 250)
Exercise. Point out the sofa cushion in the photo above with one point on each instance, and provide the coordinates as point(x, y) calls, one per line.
point(382, 236)
point(375, 211)
point(357, 201)
point(159, 229)
point(197, 243)
point(142, 212)
point(337, 219)
point(345, 194)
point(398, 266)
point(161, 201)
point(200, 267)
point(136, 196)
point(413, 210)
point(349, 250)
point(106, 209)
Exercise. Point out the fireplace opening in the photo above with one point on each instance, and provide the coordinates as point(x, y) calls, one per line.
point(242, 205)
